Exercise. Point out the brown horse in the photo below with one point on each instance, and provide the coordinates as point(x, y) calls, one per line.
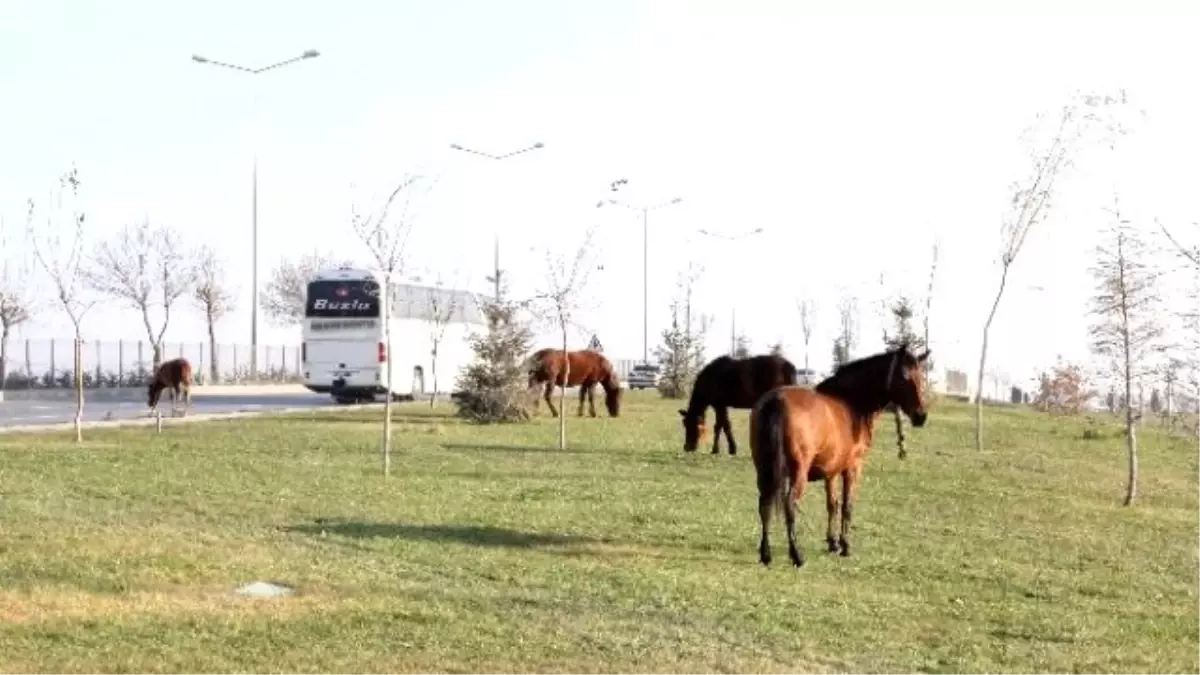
point(727, 383)
point(175, 375)
point(800, 435)
point(588, 368)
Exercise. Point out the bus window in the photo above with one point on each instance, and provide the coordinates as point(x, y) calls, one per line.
point(336, 298)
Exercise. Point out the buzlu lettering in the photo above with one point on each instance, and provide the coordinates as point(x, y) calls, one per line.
point(353, 305)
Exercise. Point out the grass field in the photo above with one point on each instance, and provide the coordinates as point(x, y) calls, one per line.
point(487, 551)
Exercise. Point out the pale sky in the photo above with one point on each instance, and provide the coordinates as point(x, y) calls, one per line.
point(853, 141)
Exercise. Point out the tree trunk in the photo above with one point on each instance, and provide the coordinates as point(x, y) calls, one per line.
point(212, 350)
point(1130, 441)
point(78, 386)
point(433, 372)
point(4, 356)
point(562, 395)
point(387, 401)
point(987, 328)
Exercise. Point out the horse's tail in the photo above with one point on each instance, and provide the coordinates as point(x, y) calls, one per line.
point(770, 460)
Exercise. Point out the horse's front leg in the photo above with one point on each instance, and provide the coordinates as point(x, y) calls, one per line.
point(187, 400)
point(849, 491)
point(549, 391)
point(591, 390)
point(722, 424)
point(831, 508)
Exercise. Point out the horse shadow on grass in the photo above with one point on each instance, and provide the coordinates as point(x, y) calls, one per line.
point(473, 535)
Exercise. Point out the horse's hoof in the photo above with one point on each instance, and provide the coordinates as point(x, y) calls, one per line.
point(833, 544)
point(764, 558)
point(797, 558)
point(845, 545)
point(732, 451)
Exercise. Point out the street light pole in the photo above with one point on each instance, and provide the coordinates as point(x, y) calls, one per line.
point(733, 311)
point(496, 234)
point(646, 266)
point(308, 54)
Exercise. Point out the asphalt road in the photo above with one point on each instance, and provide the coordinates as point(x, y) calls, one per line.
point(15, 413)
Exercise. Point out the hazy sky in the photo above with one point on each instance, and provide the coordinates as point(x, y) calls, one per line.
point(854, 141)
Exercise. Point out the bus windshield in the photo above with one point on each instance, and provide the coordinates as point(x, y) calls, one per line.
point(342, 299)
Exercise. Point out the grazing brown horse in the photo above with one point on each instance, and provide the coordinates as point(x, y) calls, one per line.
point(588, 368)
point(800, 435)
point(727, 383)
point(175, 375)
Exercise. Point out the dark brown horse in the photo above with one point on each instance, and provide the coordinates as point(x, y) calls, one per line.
point(587, 369)
point(800, 435)
point(175, 375)
point(727, 383)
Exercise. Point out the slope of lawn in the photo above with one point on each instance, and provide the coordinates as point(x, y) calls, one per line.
point(487, 550)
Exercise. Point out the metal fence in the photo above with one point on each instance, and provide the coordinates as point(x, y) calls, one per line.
point(49, 364)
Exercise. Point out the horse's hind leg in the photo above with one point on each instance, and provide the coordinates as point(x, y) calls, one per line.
point(849, 491)
point(764, 516)
point(591, 394)
point(791, 503)
point(584, 390)
point(831, 508)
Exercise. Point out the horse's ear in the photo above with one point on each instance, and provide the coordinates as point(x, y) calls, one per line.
point(924, 355)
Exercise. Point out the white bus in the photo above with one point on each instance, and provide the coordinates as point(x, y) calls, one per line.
point(344, 352)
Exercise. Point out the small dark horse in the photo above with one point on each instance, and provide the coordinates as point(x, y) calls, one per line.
point(800, 435)
point(175, 375)
point(727, 383)
point(587, 369)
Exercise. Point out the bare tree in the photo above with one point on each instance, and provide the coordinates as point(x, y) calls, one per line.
point(1126, 331)
point(212, 296)
point(847, 325)
point(1190, 254)
point(441, 309)
point(808, 322)
point(565, 281)
point(928, 363)
point(282, 300)
point(1055, 141)
point(58, 247)
point(384, 232)
point(16, 302)
point(145, 267)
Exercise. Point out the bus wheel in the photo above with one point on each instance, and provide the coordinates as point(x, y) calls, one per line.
point(344, 400)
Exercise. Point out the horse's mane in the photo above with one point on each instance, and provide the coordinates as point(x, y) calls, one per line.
point(845, 382)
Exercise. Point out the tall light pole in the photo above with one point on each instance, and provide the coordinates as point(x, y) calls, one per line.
point(733, 311)
point(496, 234)
point(646, 266)
point(308, 54)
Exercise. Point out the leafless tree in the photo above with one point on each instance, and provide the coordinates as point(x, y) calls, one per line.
point(808, 322)
point(848, 324)
point(1190, 254)
point(1055, 140)
point(146, 268)
point(385, 232)
point(565, 280)
point(16, 301)
point(1126, 331)
point(441, 309)
point(212, 296)
point(57, 239)
point(928, 364)
point(282, 300)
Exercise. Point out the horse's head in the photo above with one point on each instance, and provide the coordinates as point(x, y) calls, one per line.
point(693, 430)
point(154, 392)
point(612, 395)
point(905, 383)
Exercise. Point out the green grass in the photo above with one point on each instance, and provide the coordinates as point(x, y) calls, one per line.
point(488, 551)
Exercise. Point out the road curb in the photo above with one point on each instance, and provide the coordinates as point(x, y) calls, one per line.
point(172, 421)
point(110, 394)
